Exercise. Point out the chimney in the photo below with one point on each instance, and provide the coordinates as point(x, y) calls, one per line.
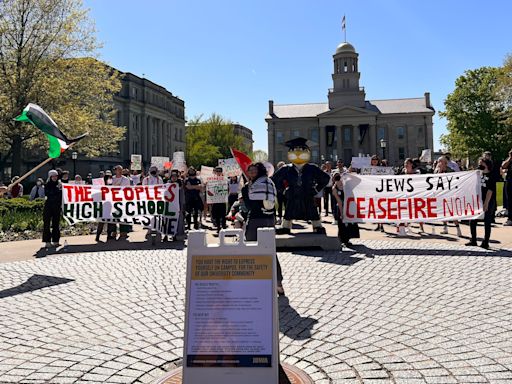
point(271, 107)
point(427, 100)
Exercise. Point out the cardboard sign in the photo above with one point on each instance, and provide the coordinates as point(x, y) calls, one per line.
point(156, 207)
point(206, 172)
point(361, 162)
point(178, 161)
point(426, 156)
point(98, 181)
point(231, 315)
point(412, 198)
point(159, 162)
point(136, 163)
point(217, 190)
point(230, 167)
point(377, 171)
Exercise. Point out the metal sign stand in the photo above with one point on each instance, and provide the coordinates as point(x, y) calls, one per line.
point(231, 303)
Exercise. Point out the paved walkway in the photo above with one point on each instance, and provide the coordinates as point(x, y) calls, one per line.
point(386, 311)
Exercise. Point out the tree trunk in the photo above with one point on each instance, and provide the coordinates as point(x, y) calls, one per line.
point(16, 155)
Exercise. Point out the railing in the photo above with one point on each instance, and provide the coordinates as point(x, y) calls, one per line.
point(331, 90)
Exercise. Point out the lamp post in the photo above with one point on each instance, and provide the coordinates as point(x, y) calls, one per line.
point(383, 144)
point(74, 156)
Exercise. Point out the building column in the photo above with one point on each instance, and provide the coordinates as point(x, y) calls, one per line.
point(355, 140)
point(323, 139)
point(339, 138)
point(373, 140)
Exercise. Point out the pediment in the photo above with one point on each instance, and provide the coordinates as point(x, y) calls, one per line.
point(348, 111)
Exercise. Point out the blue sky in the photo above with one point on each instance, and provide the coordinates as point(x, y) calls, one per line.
point(231, 57)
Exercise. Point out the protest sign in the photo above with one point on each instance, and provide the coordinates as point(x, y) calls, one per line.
point(377, 171)
point(159, 162)
point(206, 172)
point(156, 206)
point(361, 162)
point(178, 161)
point(136, 163)
point(426, 156)
point(230, 167)
point(217, 190)
point(98, 181)
point(412, 198)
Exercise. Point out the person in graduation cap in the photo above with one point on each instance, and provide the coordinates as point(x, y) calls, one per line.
point(304, 180)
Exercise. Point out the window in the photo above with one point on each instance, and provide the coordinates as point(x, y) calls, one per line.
point(315, 135)
point(314, 156)
point(381, 133)
point(345, 67)
point(347, 156)
point(347, 134)
point(400, 132)
point(401, 153)
point(296, 133)
point(279, 137)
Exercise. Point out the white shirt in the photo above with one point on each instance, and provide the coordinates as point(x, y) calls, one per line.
point(121, 181)
point(152, 180)
point(453, 165)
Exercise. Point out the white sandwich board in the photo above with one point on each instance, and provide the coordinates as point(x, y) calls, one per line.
point(231, 311)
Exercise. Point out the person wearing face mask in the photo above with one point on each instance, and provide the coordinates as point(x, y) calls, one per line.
point(346, 231)
point(121, 181)
point(153, 178)
point(111, 228)
point(37, 191)
point(193, 202)
point(64, 177)
point(488, 183)
point(506, 166)
point(51, 210)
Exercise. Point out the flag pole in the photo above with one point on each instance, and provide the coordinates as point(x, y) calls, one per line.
point(30, 172)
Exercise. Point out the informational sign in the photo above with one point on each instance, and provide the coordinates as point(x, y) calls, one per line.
point(230, 167)
point(156, 206)
point(231, 316)
point(361, 162)
point(217, 190)
point(412, 198)
point(426, 156)
point(159, 162)
point(178, 161)
point(136, 163)
point(98, 181)
point(377, 171)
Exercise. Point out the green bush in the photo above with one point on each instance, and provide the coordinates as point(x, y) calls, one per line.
point(21, 214)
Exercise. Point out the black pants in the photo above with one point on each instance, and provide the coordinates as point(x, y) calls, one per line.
point(328, 200)
point(193, 209)
point(51, 215)
point(281, 202)
point(232, 198)
point(251, 234)
point(219, 215)
point(508, 190)
point(489, 215)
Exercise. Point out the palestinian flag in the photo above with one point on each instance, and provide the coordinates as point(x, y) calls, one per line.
point(242, 159)
point(36, 116)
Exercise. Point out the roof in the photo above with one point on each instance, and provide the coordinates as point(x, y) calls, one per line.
point(390, 106)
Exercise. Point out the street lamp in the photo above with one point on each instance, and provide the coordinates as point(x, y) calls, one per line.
point(383, 144)
point(74, 156)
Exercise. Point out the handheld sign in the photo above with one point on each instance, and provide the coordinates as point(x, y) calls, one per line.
point(231, 314)
point(136, 162)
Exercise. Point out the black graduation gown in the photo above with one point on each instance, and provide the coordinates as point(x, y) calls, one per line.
point(301, 187)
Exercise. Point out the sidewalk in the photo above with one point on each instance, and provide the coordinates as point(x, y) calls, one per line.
point(30, 249)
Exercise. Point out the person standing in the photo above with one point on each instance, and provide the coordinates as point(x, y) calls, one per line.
point(153, 178)
point(488, 183)
point(120, 180)
point(281, 199)
point(64, 177)
point(37, 191)
point(443, 167)
point(51, 210)
point(327, 195)
point(193, 201)
point(507, 167)
point(219, 209)
point(258, 197)
point(16, 190)
point(234, 190)
point(346, 231)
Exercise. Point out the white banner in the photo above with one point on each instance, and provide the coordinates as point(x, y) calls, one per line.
point(156, 206)
point(230, 167)
point(217, 190)
point(412, 198)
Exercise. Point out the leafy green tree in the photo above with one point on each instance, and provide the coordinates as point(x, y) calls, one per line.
point(209, 140)
point(477, 116)
point(48, 57)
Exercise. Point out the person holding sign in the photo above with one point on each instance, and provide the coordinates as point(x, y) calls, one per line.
point(488, 185)
point(51, 210)
point(193, 201)
point(444, 167)
point(122, 181)
point(219, 209)
point(259, 198)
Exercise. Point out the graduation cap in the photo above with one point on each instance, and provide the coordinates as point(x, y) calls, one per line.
point(298, 142)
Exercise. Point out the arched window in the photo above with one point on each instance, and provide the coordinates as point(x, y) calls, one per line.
point(345, 67)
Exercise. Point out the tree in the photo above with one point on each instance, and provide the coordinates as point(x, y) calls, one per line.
point(505, 89)
point(209, 140)
point(260, 156)
point(476, 114)
point(48, 57)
